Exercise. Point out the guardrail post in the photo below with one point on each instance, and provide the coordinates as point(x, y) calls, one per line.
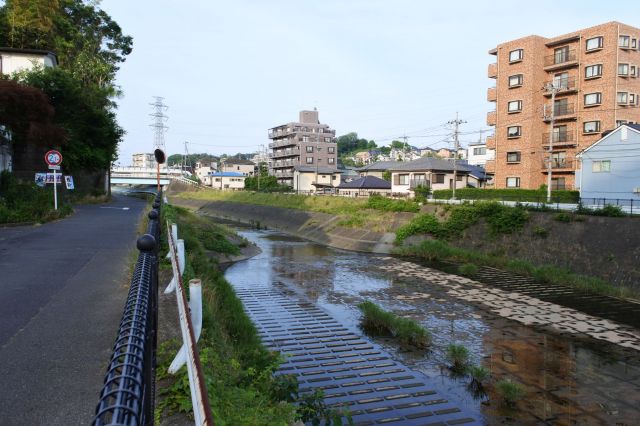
point(195, 310)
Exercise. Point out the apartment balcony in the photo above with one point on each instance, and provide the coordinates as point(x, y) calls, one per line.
point(560, 112)
point(560, 139)
point(274, 134)
point(558, 165)
point(492, 71)
point(491, 142)
point(284, 164)
point(565, 85)
point(492, 94)
point(285, 153)
point(560, 60)
point(283, 142)
point(491, 118)
point(283, 175)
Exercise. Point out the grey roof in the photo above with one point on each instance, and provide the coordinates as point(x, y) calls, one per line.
point(313, 169)
point(366, 182)
point(477, 172)
point(379, 165)
point(428, 163)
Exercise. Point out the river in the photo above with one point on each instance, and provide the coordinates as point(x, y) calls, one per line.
point(568, 379)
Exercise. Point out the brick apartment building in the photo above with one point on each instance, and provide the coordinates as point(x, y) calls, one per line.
point(596, 73)
point(305, 143)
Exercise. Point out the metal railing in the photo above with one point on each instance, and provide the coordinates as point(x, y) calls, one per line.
point(566, 137)
point(560, 57)
point(128, 394)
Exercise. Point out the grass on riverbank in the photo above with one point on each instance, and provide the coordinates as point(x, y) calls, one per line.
point(377, 321)
point(238, 369)
point(435, 250)
point(374, 213)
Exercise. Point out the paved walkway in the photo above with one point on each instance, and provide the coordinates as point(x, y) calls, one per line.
point(352, 371)
point(62, 294)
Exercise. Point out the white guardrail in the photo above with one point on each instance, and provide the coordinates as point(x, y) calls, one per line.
point(190, 314)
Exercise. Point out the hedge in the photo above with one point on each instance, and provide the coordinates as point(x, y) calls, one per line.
point(530, 195)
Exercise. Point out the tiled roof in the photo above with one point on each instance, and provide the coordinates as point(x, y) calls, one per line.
point(366, 182)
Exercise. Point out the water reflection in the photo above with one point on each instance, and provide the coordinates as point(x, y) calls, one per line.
point(567, 380)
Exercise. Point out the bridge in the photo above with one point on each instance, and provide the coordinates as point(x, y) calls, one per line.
point(147, 176)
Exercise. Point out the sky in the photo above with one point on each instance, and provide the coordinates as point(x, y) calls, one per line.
point(230, 70)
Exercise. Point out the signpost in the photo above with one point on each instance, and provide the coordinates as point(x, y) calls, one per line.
point(53, 158)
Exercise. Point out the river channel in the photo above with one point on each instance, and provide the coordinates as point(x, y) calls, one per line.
point(569, 380)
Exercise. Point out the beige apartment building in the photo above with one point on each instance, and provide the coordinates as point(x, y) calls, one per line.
point(303, 143)
point(595, 74)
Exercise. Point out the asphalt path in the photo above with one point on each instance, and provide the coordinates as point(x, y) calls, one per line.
point(63, 287)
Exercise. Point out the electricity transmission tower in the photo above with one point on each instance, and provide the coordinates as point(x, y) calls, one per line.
point(158, 124)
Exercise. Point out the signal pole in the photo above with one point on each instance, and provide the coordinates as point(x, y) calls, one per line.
point(456, 123)
point(553, 89)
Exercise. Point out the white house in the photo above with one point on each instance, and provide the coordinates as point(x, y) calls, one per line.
point(431, 172)
point(14, 60)
point(317, 180)
point(203, 171)
point(610, 167)
point(227, 181)
point(477, 154)
point(246, 167)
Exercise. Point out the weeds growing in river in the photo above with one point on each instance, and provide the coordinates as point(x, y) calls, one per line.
point(458, 357)
point(377, 321)
point(510, 392)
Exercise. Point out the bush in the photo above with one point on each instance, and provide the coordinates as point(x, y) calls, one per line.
point(509, 391)
point(563, 217)
point(421, 224)
point(608, 210)
point(378, 202)
point(377, 321)
point(458, 357)
point(540, 232)
point(468, 270)
point(478, 373)
point(522, 195)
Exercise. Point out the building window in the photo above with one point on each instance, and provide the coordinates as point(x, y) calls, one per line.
point(593, 71)
point(634, 43)
point(479, 151)
point(561, 81)
point(513, 157)
point(632, 71)
point(513, 182)
point(309, 149)
point(309, 160)
point(633, 99)
point(591, 126)
point(624, 41)
point(514, 106)
point(439, 178)
point(602, 166)
point(623, 70)
point(331, 149)
point(561, 55)
point(621, 122)
point(515, 80)
point(514, 132)
point(327, 140)
point(331, 160)
point(594, 43)
point(622, 98)
point(558, 184)
point(403, 179)
point(516, 55)
point(560, 134)
point(305, 139)
point(591, 99)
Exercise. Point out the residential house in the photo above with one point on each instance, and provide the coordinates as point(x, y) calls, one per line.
point(308, 179)
point(593, 77)
point(306, 142)
point(610, 168)
point(227, 181)
point(203, 171)
point(144, 160)
point(364, 187)
point(404, 154)
point(434, 173)
point(478, 177)
point(477, 154)
point(377, 169)
point(245, 167)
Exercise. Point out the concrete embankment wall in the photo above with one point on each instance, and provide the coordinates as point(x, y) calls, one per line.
point(318, 227)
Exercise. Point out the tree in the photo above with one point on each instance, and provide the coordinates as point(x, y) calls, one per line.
point(386, 175)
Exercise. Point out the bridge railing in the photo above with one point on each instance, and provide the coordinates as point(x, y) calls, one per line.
point(128, 394)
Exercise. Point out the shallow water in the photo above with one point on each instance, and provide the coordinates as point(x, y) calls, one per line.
point(568, 380)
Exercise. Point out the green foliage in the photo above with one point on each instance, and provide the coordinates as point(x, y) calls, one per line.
point(500, 219)
point(522, 195)
point(563, 217)
point(458, 357)
point(378, 202)
point(608, 210)
point(478, 373)
point(351, 143)
point(264, 184)
point(386, 175)
point(85, 113)
point(26, 202)
point(435, 250)
point(541, 232)
point(468, 270)
point(377, 321)
point(510, 392)
point(312, 409)
point(421, 193)
point(192, 159)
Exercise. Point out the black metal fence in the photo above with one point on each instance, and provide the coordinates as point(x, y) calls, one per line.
point(128, 394)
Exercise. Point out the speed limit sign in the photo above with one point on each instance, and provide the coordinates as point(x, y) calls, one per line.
point(53, 158)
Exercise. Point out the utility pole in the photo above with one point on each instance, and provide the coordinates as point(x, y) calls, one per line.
point(553, 89)
point(259, 164)
point(405, 148)
point(456, 123)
